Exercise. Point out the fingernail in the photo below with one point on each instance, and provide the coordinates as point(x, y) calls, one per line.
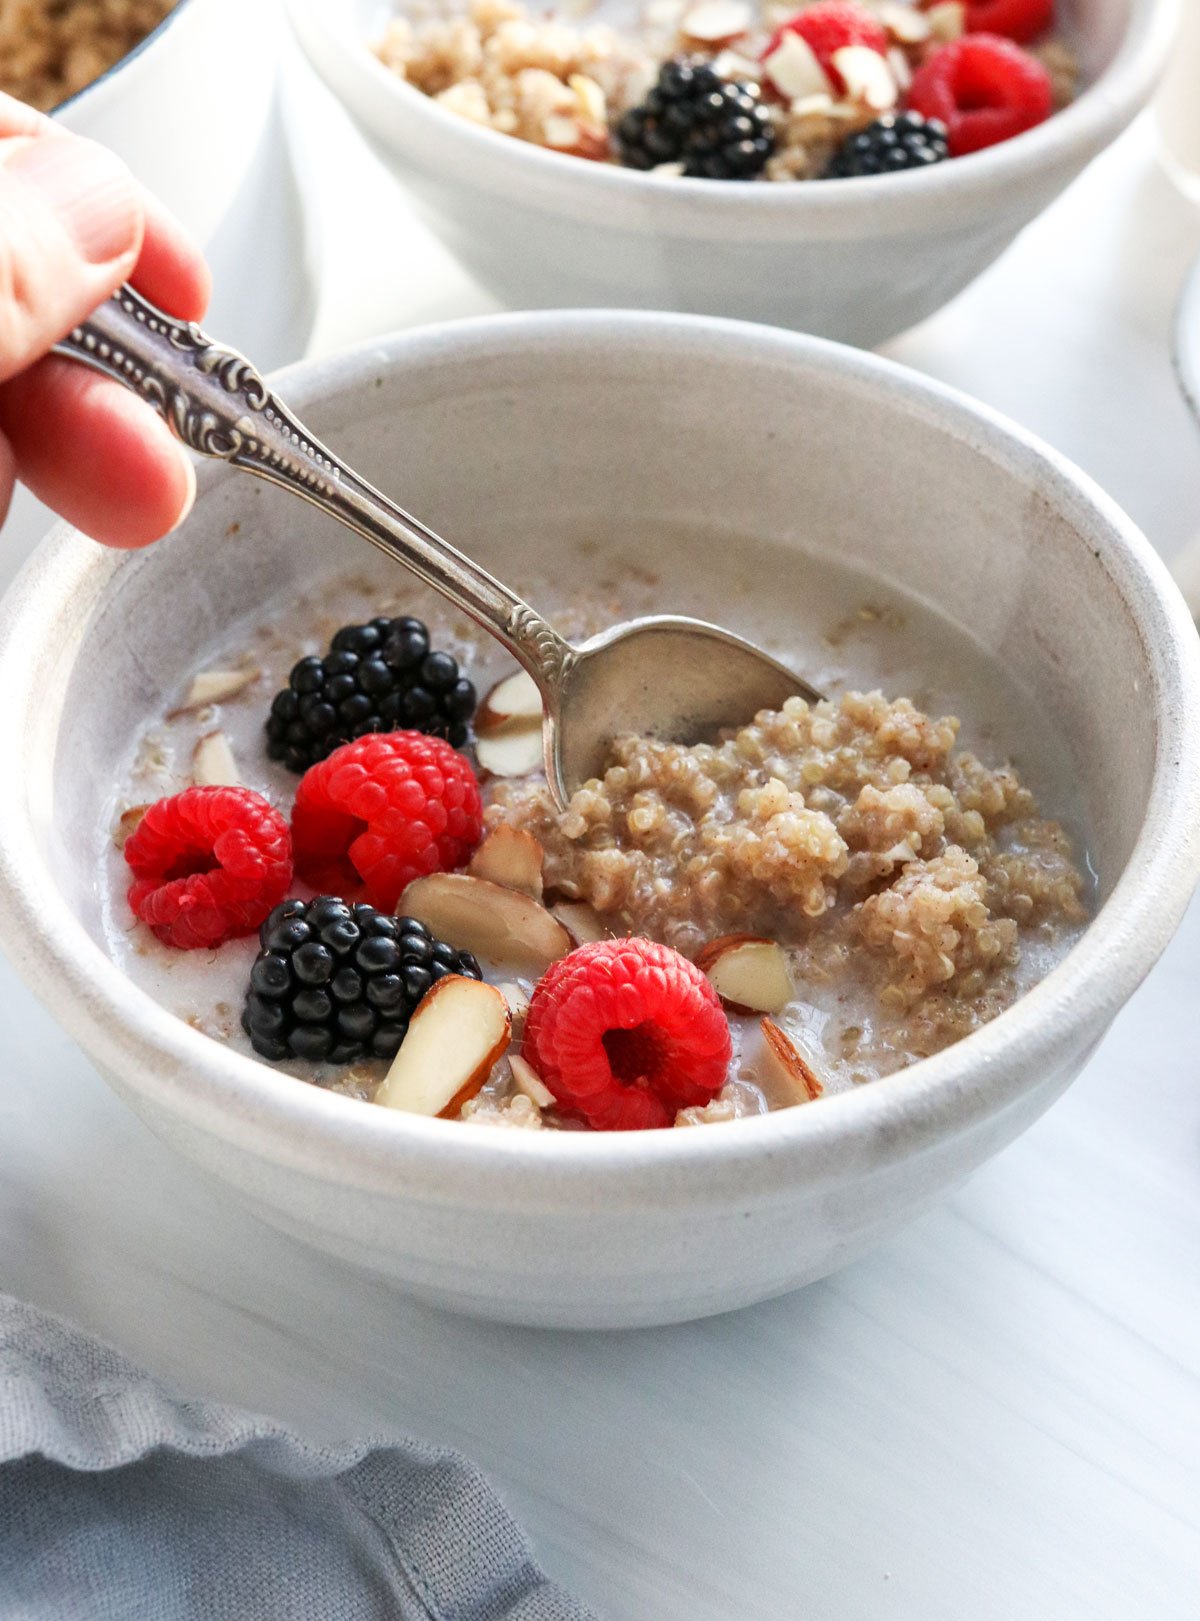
point(189, 500)
point(88, 188)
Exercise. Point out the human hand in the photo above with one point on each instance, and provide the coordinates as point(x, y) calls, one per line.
point(73, 226)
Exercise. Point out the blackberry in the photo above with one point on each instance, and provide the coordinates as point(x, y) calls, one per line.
point(340, 982)
point(379, 677)
point(895, 141)
point(717, 128)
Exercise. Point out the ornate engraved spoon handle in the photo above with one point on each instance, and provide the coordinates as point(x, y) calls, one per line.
point(218, 405)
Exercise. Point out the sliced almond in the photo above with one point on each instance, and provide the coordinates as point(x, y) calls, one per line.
point(715, 22)
point(518, 1003)
point(805, 106)
point(514, 698)
point(947, 21)
point(590, 143)
point(590, 99)
point(748, 974)
point(527, 1080)
point(460, 1029)
point(731, 64)
point(581, 921)
point(559, 132)
point(794, 70)
point(512, 751)
point(905, 24)
point(787, 1064)
point(867, 77)
point(213, 764)
point(128, 823)
point(216, 687)
point(501, 925)
point(901, 69)
point(510, 856)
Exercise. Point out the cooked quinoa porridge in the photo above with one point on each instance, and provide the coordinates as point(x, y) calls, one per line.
point(739, 90)
point(50, 49)
point(822, 897)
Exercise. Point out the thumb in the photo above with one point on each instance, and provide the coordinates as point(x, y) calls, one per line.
point(70, 232)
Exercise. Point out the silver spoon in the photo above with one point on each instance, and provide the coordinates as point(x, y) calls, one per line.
point(664, 676)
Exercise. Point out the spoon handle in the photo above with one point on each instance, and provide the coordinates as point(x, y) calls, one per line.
point(219, 406)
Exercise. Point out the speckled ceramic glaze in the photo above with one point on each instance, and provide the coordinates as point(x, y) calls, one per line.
point(858, 260)
point(536, 418)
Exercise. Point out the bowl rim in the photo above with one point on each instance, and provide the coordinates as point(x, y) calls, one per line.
point(1185, 339)
point(144, 44)
point(247, 1104)
point(1086, 125)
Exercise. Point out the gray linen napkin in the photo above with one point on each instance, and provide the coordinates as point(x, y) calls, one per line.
point(120, 1502)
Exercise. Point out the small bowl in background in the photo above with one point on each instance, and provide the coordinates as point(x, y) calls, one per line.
point(1186, 353)
point(859, 260)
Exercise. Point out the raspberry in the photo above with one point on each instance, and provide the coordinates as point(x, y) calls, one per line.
point(830, 26)
point(381, 811)
point(626, 1033)
point(984, 90)
point(208, 865)
point(1021, 20)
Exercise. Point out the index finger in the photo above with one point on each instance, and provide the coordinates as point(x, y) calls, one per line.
point(171, 270)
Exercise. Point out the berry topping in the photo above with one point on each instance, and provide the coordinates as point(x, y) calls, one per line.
point(382, 811)
point(375, 678)
point(717, 128)
point(339, 982)
point(984, 90)
point(895, 141)
point(626, 1033)
point(1021, 20)
point(831, 26)
point(208, 865)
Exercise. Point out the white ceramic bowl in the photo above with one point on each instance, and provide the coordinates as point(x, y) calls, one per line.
point(477, 427)
point(1186, 340)
point(858, 260)
point(1186, 352)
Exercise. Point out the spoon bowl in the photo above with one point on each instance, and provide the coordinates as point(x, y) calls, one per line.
point(670, 678)
point(663, 676)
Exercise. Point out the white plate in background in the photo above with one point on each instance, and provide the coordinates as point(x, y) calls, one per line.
point(1186, 353)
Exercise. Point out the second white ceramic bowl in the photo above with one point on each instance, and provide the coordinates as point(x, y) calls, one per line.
point(858, 260)
point(517, 436)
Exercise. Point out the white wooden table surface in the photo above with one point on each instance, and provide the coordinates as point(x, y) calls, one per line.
point(996, 1417)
